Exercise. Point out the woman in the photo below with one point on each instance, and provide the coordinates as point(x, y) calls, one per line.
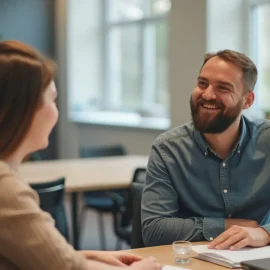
point(28, 238)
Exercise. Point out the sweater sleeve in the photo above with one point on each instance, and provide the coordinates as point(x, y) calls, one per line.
point(28, 237)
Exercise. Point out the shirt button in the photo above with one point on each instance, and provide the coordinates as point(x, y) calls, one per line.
point(205, 153)
point(238, 151)
point(225, 190)
point(230, 215)
point(224, 164)
point(211, 238)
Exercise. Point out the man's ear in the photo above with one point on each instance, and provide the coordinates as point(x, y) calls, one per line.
point(249, 99)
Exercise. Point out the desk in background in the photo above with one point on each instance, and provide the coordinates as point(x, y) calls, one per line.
point(164, 255)
point(87, 174)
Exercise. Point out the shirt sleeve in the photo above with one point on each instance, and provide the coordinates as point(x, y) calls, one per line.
point(213, 227)
point(266, 227)
point(265, 223)
point(28, 237)
point(161, 224)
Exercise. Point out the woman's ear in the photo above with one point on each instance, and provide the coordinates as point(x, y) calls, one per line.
point(249, 100)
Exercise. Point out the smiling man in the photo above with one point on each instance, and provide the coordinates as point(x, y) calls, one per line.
point(209, 179)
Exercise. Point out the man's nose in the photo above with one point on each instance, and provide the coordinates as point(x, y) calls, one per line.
point(209, 93)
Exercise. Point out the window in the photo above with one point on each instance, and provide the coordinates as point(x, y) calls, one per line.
point(137, 56)
point(133, 47)
point(260, 44)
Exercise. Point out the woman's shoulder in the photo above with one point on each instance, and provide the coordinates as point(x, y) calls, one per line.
point(11, 185)
point(8, 175)
point(4, 169)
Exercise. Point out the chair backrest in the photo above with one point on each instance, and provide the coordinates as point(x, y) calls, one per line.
point(33, 157)
point(139, 175)
point(102, 151)
point(51, 195)
point(123, 211)
point(136, 236)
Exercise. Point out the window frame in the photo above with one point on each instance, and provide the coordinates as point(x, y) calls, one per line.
point(254, 48)
point(146, 96)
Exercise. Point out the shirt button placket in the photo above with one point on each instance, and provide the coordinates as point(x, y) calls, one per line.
point(224, 185)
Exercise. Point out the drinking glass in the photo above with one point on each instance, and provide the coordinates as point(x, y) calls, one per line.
point(182, 251)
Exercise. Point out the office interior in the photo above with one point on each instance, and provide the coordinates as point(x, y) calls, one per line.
point(72, 33)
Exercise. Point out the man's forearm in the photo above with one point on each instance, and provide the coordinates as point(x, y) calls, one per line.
point(166, 230)
point(162, 231)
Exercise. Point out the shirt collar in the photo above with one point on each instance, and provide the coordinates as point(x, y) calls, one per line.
point(243, 133)
point(205, 147)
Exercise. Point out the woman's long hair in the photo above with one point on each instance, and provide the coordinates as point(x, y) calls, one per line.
point(24, 75)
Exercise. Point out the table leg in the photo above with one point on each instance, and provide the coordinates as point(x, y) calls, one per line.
point(75, 220)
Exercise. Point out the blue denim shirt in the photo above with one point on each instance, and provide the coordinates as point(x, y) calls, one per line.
point(190, 191)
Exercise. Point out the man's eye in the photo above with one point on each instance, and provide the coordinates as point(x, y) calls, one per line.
point(223, 89)
point(202, 84)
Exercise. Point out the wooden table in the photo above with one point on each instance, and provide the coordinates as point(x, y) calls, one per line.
point(88, 174)
point(164, 255)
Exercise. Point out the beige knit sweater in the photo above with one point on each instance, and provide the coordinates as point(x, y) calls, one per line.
point(28, 237)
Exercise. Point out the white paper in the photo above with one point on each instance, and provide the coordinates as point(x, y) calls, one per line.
point(169, 267)
point(236, 255)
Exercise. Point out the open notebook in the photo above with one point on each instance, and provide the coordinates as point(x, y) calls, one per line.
point(231, 258)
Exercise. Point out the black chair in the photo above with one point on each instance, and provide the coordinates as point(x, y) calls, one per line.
point(123, 213)
point(136, 237)
point(51, 195)
point(102, 151)
point(35, 157)
point(100, 200)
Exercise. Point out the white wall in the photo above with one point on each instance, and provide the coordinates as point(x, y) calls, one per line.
point(187, 49)
point(67, 132)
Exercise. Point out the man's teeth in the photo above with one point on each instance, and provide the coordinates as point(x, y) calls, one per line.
point(209, 106)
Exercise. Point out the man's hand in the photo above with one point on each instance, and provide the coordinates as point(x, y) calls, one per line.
point(240, 222)
point(238, 237)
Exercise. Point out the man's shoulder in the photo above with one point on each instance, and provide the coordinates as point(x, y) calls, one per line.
point(177, 133)
point(258, 126)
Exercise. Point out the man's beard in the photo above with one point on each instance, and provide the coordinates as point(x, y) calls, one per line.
point(219, 123)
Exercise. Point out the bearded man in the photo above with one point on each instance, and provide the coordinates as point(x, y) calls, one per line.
point(209, 179)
